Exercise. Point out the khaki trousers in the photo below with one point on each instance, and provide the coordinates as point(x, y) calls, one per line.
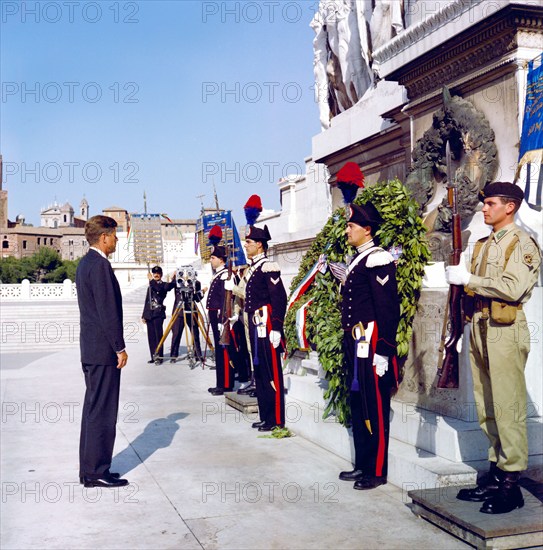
point(500, 389)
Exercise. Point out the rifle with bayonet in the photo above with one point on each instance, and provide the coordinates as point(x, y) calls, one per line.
point(227, 309)
point(448, 371)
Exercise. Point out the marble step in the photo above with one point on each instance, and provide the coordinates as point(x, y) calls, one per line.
point(411, 466)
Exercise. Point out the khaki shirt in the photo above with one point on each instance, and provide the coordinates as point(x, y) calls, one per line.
point(513, 282)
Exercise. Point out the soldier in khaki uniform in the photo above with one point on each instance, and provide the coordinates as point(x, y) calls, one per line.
point(504, 270)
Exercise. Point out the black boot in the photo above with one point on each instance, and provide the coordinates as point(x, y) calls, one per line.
point(507, 498)
point(486, 488)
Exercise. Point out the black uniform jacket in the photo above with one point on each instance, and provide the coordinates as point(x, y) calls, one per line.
point(265, 287)
point(156, 293)
point(101, 310)
point(370, 293)
point(216, 292)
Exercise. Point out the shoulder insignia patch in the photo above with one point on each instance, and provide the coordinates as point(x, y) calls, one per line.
point(379, 257)
point(382, 281)
point(270, 267)
point(275, 281)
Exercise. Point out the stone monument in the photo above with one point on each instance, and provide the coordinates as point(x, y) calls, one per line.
point(426, 72)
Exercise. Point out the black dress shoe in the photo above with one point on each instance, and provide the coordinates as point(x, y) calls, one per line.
point(112, 474)
point(211, 390)
point(173, 359)
point(268, 427)
point(105, 481)
point(252, 393)
point(151, 361)
point(247, 389)
point(353, 475)
point(217, 391)
point(258, 424)
point(369, 482)
point(159, 362)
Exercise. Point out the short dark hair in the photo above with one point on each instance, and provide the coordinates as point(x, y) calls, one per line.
point(95, 226)
point(516, 202)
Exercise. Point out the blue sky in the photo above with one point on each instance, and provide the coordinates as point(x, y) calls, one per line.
point(108, 99)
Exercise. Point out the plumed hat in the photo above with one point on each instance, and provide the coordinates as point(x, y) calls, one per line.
point(501, 189)
point(349, 179)
point(365, 214)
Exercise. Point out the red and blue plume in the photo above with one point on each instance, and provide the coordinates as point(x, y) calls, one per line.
point(349, 179)
point(215, 235)
point(252, 208)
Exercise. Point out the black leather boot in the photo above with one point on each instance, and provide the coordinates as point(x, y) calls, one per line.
point(486, 488)
point(508, 497)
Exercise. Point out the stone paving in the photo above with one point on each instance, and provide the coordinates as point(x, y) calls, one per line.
point(200, 476)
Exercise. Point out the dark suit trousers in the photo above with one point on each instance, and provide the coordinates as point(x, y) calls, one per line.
point(154, 334)
point(99, 418)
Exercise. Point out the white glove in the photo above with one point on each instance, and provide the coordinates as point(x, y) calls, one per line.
point(233, 319)
point(275, 338)
point(220, 327)
point(381, 364)
point(229, 284)
point(457, 274)
point(459, 344)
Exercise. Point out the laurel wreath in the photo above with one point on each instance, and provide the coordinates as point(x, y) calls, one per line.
point(403, 228)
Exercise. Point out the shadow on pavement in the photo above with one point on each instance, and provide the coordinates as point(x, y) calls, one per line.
point(158, 434)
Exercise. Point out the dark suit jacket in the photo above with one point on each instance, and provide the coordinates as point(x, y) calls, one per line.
point(156, 294)
point(100, 309)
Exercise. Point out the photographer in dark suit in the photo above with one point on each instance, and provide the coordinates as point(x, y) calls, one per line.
point(154, 311)
point(103, 353)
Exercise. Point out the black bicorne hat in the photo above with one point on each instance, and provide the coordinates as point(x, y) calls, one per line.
point(258, 234)
point(365, 214)
point(219, 252)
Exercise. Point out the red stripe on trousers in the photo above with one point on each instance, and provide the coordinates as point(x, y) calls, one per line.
point(275, 378)
point(226, 368)
point(381, 445)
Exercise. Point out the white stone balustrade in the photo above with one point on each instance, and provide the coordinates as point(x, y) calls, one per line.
point(38, 291)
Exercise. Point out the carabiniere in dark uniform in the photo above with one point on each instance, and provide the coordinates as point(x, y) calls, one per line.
point(369, 315)
point(265, 306)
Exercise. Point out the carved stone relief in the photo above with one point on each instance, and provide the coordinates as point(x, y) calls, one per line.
point(474, 159)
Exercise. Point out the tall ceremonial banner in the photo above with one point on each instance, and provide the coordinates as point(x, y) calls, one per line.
point(147, 233)
point(531, 141)
point(231, 239)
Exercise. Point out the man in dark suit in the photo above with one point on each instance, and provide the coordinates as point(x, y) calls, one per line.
point(154, 312)
point(103, 353)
